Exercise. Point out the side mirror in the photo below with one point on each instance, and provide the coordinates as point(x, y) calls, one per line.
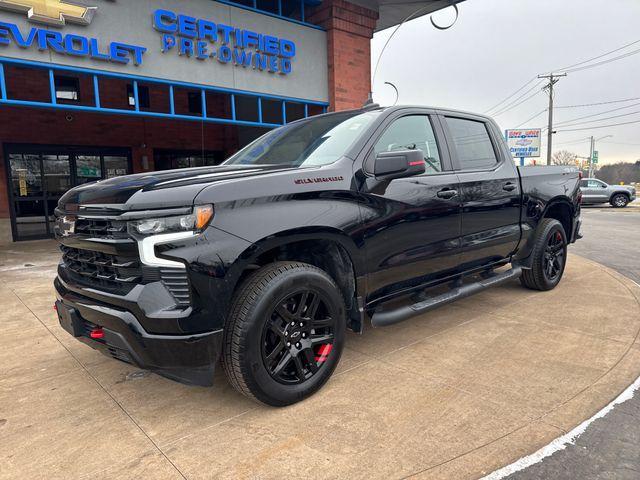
point(400, 164)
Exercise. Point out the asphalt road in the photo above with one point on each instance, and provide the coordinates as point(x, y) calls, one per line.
point(610, 447)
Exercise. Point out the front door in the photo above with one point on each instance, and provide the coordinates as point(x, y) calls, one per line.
point(490, 191)
point(39, 175)
point(594, 191)
point(412, 224)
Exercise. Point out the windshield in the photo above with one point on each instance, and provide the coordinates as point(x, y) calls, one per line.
point(317, 141)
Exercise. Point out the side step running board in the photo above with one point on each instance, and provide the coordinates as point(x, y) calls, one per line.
point(389, 317)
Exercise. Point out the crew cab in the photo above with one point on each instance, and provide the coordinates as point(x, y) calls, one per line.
point(324, 224)
point(596, 191)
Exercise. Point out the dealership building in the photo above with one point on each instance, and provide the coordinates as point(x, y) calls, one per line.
point(92, 89)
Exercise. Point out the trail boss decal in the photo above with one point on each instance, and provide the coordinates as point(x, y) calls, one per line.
point(301, 181)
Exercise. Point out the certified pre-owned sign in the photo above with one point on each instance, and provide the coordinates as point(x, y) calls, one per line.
point(524, 143)
point(51, 12)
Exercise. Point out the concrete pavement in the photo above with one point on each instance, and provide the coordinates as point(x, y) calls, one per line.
point(609, 448)
point(454, 394)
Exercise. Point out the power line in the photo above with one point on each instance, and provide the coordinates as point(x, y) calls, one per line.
point(596, 114)
point(602, 119)
point(528, 120)
point(604, 62)
point(570, 68)
point(586, 105)
point(597, 57)
point(621, 143)
point(600, 103)
point(571, 142)
point(599, 126)
point(513, 105)
point(510, 96)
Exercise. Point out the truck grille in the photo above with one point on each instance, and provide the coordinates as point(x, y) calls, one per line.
point(96, 227)
point(117, 274)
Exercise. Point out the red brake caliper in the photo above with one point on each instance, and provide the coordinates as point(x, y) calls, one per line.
point(323, 352)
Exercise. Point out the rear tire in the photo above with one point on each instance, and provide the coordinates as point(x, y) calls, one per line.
point(549, 257)
point(285, 333)
point(619, 200)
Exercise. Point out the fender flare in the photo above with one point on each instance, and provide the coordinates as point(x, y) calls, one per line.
point(286, 237)
point(523, 258)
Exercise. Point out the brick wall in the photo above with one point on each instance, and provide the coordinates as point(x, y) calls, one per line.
point(141, 135)
point(349, 31)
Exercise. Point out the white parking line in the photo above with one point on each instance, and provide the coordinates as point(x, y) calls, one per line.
point(562, 442)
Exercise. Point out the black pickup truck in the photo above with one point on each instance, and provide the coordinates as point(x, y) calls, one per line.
point(374, 215)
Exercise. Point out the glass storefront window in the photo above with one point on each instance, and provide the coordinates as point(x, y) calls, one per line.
point(88, 169)
point(26, 175)
point(57, 174)
point(116, 166)
point(40, 175)
point(171, 159)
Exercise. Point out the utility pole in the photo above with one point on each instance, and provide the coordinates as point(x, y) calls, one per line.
point(553, 79)
point(591, 147)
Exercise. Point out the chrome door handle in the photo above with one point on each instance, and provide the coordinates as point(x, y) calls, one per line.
point(509, 187)
point(447, 193)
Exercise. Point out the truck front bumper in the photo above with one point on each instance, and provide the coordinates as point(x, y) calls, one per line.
point(118, 334)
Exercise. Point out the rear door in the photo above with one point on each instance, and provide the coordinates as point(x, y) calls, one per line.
point(412, 225)
point(489, 189)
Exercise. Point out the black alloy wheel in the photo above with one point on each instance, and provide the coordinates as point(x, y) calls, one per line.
point(548, 257)
point(298, 338)
point(554, 256)
point(285, 333)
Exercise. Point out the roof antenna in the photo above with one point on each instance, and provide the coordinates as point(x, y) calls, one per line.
point(369, 101)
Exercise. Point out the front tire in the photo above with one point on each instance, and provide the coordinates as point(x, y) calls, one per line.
point(549, 257)
point(619, 200)
point(285, 333)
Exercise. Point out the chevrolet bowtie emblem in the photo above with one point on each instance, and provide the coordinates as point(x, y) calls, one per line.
point(51, 12)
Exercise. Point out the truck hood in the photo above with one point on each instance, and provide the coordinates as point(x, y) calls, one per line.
point(155, 190)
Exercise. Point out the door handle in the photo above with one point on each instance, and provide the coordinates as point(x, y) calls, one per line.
point(447, 193)
point(509, 187)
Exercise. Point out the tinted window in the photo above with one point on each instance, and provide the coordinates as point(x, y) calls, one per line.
point(472, 143)
point(594, 184)
point(411, 133)
point(583, 184)
point(316, 141)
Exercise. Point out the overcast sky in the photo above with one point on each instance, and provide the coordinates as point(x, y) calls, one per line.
point(497, 46)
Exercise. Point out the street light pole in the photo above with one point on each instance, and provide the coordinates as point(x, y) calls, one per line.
point(593, 149)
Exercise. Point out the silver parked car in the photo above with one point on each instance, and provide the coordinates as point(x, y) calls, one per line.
point(596, 191)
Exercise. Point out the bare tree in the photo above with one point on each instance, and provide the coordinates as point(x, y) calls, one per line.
point(564, 157)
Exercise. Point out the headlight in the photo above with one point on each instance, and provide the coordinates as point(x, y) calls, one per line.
point(196, 221)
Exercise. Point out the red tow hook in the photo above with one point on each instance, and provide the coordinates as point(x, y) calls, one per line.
point(97, 333)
